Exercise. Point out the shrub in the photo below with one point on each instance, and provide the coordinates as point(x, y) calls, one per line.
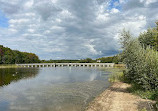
point(141, 63)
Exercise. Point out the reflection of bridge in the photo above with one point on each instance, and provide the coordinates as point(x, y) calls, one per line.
point(67, 64)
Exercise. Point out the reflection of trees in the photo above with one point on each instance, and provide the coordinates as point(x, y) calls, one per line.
point(14, 74)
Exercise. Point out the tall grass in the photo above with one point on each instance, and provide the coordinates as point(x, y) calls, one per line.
point(116, 74)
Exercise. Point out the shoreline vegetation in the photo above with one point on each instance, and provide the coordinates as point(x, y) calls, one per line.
point(8, 66)
point(140, 54)
point(138, 79)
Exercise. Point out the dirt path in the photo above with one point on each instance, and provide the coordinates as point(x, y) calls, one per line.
point(116, 98)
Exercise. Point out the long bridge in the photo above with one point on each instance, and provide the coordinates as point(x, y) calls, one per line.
point(67, 64)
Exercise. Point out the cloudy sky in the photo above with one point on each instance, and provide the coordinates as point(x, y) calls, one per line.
point(72, 29)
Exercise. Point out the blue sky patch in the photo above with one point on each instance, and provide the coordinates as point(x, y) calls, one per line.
point(3, 20)
point(114, 4)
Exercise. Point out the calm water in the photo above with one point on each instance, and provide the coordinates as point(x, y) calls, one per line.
point(50, 89)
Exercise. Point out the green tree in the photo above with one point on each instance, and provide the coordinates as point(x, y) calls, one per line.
point(141, 63)
point(1, 54)
point(8, 56)
point(150, 38)
point(18, 57)
point(87, 60)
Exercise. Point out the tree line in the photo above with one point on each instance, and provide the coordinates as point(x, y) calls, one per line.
point(114, 59)
point(9, 56)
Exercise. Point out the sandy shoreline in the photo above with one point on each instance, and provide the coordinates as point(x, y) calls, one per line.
point(116, 98)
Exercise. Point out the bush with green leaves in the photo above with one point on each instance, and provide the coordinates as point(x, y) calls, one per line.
point(141, 62)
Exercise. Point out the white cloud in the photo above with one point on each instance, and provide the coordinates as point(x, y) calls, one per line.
point(52, 50)
point(58, 20)
point(73, 29)
point(29, 4)
point(65, 14)
point(91, 47)
point(13, 30)
point(18, 21)
point(47, 31)
point(57, 29)
point(135, 27)
point(103, 17)
point(54, 1)
point(150, 1)
point(30, 14)
point(122, 1)
point(114, 10)
point(31, 30)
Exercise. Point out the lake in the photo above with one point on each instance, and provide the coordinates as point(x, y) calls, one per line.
point(50, 88)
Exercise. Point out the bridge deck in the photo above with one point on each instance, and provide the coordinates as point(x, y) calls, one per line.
point(67, 64)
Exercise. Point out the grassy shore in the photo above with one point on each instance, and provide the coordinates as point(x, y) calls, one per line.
point(8, 66)
point(119, 65)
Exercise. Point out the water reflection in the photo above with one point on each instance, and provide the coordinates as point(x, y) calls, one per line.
point(51, 89)
point(9, 75)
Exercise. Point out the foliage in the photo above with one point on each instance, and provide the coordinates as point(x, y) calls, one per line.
point(147, 38)
point(116, 74)
point(8, 56)
point(141, 58)
point(144, 109)
point(114, 59)
point(141, 63)
point(60, 61)
point(115, 77)
point(148, 94)
point(87, 60)
point(150, 38)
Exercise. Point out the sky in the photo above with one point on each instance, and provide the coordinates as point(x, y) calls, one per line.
point(72, 29)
